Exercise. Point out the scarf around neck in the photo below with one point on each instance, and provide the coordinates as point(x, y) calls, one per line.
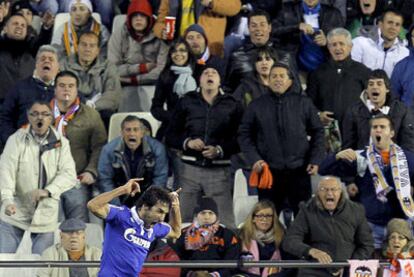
point(185, 81)
point(400, 175)
point(197, 236)
point(204, 58)
point(62, 120)
point(70, 37)
point(263, 238)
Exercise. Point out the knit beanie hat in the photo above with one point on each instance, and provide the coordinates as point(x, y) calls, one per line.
point(85, 2)
point(20, 5)
point(206, 204)
point(399, 226)
point(196, 28)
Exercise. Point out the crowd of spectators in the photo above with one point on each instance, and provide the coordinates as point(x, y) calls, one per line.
point(285, 90)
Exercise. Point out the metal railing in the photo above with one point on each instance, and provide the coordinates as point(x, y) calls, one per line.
point(185, 264)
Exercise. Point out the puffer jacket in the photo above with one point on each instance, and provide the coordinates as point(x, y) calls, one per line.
point(276, 129)
point(20, 174)
point(213, 20)
point(344, 234)
point(356, 131)
point(214, 124)
point(102, 77)
point(128, 54)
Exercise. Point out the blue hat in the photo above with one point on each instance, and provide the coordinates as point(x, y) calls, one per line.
point(196, 28)
point(72, 225)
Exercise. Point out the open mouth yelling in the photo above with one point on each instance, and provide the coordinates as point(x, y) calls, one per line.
point(378, 138)
point(39, 124)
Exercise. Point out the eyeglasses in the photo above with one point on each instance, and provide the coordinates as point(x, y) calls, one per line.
point(43, 114)
point(173, 51)
point(323, 189)
point(263, 216)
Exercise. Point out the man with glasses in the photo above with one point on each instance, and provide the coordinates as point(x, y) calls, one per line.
point(382, 172)
point(329, 228)
point(36, 167)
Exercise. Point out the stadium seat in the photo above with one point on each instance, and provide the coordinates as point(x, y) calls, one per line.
point(116, 119)
point(242, 201)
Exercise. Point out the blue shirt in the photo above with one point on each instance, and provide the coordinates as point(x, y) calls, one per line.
point(126, 242)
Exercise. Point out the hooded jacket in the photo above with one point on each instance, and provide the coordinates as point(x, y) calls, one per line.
point(356, 130)
point(142, 7)
point(343, 234)
point(275, 128)
point(131, 53)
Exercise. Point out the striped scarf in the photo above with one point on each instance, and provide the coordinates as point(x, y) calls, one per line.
point(197, 236)
point(62, 120)
point(400, 175)
point(70, 38)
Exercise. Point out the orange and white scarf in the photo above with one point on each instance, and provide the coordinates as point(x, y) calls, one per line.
point(400, 175)
point(62, 120)
point(70, 38)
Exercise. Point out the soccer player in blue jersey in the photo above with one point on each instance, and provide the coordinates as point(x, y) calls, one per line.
point(129, 232)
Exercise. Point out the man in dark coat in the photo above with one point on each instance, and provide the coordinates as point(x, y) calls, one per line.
point(329, 228)
point(274, 131)
point(337, 84)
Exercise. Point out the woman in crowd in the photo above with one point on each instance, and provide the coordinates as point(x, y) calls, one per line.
point(400, 243)
point(174, 82)
point(256, 85)
point(261, 235)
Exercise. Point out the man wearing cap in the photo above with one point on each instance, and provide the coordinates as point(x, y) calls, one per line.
point(275, 133)
point(204, 126)
point(206, 239)
point(383, 172)
point(72, 247)
point(132, 155)
point(197, 40)
point(329, 228)
point(66, 38)
point(36, 167)
point(210, 14)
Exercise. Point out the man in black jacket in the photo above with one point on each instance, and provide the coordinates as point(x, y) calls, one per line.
point(375, 100)
point(204, 126)
point(275, 130)
point(40, 86)
point(338, 83)
point(329, 228)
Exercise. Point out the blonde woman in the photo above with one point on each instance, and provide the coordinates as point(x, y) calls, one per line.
point(261, 235)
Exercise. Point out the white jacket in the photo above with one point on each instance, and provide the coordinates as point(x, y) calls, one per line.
point(370, 52)
point(19, 175)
